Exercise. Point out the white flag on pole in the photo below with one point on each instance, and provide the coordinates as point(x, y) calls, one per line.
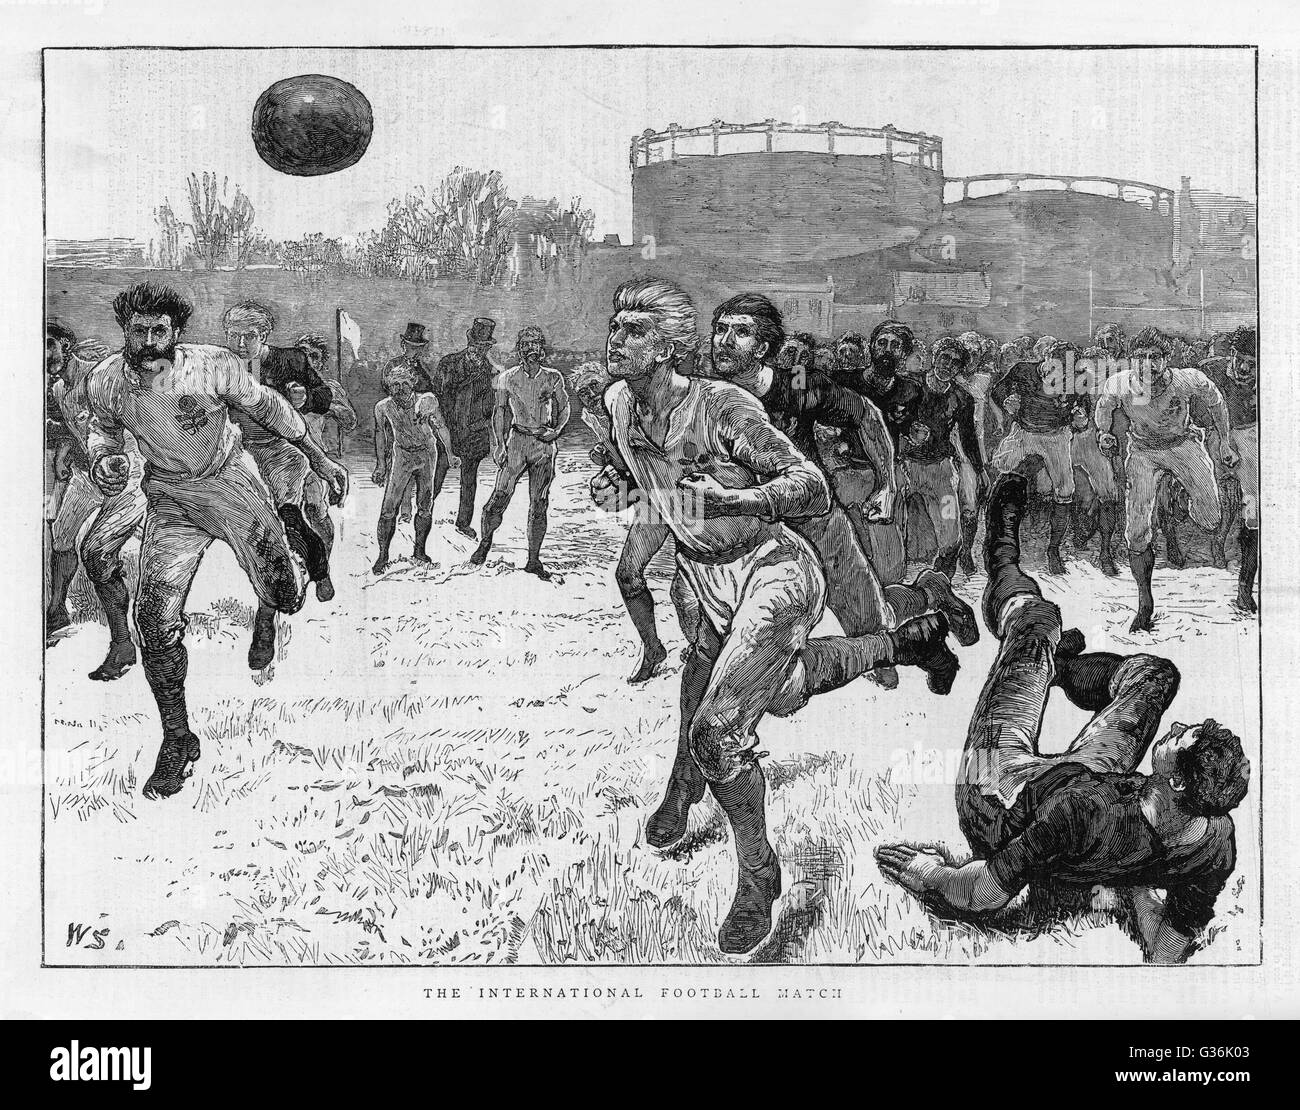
point(350, 330)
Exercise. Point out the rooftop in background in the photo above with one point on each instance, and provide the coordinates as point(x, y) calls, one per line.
point(773, 137)
point(95, 252)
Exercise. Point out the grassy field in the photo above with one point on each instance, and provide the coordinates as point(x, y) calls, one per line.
point(448, 766)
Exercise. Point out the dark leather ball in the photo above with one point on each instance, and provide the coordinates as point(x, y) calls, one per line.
point(311, 125)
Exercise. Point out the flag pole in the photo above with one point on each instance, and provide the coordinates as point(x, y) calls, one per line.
point(338, 343)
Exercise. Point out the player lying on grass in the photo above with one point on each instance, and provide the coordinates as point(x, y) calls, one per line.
point(1084, 817)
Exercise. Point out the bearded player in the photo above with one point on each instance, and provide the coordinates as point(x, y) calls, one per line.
point(705, 460)
point(176, 400)
point(532, 408)
point(747, 334)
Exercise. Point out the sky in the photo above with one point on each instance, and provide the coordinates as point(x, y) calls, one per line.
point(125, 128)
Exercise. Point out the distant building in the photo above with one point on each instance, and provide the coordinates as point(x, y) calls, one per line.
point(95, 252)
point(1214, 223)
point(868, 213)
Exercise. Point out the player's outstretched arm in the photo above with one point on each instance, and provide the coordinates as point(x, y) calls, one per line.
point(237, 387)
point(500, 427)
point(970, 887)
point(325, 468)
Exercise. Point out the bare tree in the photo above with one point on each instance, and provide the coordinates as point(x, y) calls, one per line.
point(463, 227)
point(548, 237)
point(242, 237)
point(170, 235)
point(222, 229)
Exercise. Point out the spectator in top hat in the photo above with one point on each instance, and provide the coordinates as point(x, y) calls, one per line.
point(414, 346)
point(464, 387)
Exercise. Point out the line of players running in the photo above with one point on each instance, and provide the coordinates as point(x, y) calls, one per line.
point(1148, 432)
point(710, 462)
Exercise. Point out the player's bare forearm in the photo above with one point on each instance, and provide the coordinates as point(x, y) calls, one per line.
point(1104, 414)
point(104, 439)
point(501, 422)
point(969, 887)
point(1161, 942)
point(562, 412)
point(1219, 413)
point(1168, 946)
point(316, 458)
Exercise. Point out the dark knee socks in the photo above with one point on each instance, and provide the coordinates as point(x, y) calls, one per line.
point(1060, 524)
point(387, 529)
point(1143, 564)
point(834, 661)
point(1249, 540)
point(423, 525)
point(1107, 522)
point(536, 530)
point(165, 671)
point(116, 601)
point(743, 801)
point(1085, 679)
point(63, 569)
point(640, 605)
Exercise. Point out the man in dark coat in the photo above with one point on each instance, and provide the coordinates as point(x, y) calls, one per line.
point(463, 384)
point(415, 346)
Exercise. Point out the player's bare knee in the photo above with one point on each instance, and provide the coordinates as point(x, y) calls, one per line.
point(286, 588)
point(1152, 672)
point(717, 750)
point(101, 564)
point(159, 621)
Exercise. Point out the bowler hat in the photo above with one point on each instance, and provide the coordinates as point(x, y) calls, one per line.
point(481, 331)
point(414, 335)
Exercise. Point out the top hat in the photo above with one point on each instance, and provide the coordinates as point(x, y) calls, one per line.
point(481, 331)
point(414, 335)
